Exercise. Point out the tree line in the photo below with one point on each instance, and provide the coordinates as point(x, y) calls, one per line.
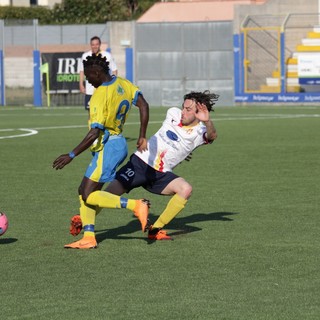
point(80, 11)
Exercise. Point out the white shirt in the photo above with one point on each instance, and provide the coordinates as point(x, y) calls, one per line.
point(112, 67)
point(172, 143)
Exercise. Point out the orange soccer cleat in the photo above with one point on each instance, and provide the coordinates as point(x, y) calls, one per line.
point(141, 211)
point(158, 234)
point(85, 243)
point(75, 225)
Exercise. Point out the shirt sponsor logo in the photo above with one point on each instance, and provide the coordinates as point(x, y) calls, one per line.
point(172, 136)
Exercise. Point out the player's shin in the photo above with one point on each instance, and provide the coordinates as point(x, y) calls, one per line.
point(174, 206)
point(104, 199)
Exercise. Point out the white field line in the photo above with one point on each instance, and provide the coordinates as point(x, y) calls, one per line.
point(244, 117)
point(34, 131)
point(267, 117)
point(29, 132)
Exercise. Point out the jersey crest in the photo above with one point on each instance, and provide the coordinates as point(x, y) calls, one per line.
point(120, 90)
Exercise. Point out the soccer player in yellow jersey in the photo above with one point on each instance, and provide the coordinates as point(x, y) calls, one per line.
point(109, 108)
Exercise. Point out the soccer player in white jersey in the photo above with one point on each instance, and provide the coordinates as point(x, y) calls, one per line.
point(84, 85)
point(182, 131)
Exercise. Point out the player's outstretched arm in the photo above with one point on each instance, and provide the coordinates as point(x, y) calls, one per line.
point(65, 159)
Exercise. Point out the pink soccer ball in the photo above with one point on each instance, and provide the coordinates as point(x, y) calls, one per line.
point(3, 223)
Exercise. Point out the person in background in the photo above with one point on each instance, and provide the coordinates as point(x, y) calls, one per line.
point(84, 85)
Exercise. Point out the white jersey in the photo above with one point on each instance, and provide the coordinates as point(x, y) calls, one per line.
point(172, 143)
point(112, 67)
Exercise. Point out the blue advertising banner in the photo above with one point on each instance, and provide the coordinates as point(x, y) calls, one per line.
point(278, 98)
point(309, 81)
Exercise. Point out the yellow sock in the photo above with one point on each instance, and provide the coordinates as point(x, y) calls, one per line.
point(106, 199)
point(174, 206)
point(88, 218)
point(98, 209)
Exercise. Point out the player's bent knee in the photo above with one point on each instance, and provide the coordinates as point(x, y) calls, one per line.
point(186, 190)
point(84, 195)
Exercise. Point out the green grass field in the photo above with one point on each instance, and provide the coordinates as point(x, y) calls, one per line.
point(245, 247)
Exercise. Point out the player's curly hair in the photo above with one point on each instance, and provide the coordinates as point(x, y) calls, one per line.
point(205, 97)
point(97, 60)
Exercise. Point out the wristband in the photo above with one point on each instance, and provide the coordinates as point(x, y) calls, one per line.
point(72, 155)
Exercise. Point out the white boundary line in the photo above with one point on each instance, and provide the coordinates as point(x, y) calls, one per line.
point(30, 132)
point(34, 131)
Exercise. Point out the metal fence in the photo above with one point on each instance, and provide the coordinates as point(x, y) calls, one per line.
point(170, 59)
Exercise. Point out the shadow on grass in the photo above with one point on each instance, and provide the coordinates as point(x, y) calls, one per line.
point(7, 240)
point(181, 225)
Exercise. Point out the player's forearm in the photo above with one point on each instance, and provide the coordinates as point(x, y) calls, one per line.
point(144, 117)
point(211, 130)
point(92, 135)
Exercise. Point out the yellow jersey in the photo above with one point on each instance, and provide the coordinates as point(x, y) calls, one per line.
point(109, 108)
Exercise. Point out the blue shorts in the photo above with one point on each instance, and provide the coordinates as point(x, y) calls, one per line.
point(104, 163)
point(136, 173)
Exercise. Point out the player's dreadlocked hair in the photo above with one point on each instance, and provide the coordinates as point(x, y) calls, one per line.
point(204, 97)
point(97, 60)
